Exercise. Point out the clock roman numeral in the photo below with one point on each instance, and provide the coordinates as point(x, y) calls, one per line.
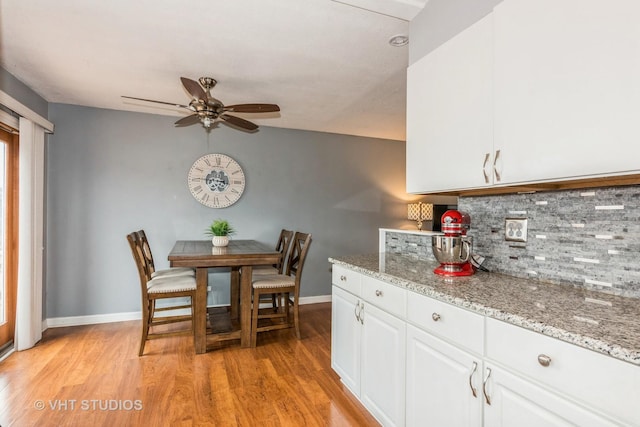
point(235, 172)
point(197, 189)
point(205, 197)
point(217, 161)
point(207, 162)
point(237, 182)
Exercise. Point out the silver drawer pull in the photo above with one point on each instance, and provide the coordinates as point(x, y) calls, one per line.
point(378, 293)
point(484, 168)
point(484, 387)
point(435, 317)
point(343, 278)
point(544, 360)
point(473, 371)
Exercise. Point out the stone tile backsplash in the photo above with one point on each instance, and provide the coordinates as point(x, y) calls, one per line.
point(588, 238)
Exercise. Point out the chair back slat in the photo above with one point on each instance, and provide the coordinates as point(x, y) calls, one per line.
point(138, 257)
point(284, 241)
point(299, 249)
point(146, 252)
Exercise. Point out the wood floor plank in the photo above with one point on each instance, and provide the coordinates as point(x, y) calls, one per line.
point(92, 375)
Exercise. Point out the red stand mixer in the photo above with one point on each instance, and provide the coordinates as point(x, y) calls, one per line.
point(453, 249)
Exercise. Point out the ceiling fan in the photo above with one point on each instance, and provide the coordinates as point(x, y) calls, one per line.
point(207, 110)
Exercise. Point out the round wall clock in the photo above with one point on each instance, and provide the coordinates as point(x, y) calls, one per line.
point(216, 180)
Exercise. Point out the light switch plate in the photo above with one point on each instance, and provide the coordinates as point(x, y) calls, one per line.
point(515, 229)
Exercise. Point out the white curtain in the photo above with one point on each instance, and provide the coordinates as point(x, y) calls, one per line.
point(30, 235)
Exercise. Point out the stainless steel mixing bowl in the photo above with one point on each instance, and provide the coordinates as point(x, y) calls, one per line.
point(451, 250)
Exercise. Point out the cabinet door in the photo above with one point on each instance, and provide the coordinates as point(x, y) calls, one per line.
point(345, 338)
point(444, 383)
point(567, 97)
point(383, 366)
point(450, 114)
point(517, 402)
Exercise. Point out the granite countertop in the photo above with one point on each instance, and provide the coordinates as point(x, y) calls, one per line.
point(598, 321)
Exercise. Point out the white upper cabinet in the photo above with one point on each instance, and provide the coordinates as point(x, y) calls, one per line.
point(537, 91)
point(567, 88)
point(449, 114)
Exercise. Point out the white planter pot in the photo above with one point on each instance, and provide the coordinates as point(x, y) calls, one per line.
point(220, 241)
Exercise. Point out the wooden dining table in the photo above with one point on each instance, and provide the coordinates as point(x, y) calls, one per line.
point(240, 256)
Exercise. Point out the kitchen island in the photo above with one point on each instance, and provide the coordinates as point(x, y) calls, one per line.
point(411, 345)
point(598, 321)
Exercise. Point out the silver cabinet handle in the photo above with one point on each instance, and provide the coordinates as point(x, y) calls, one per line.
point(356, 311)
point(495, 168)
point(378, 293)
point(473, 371)
point(362, 313)
point(484, 167)
point(435, 317)
point(343, 278)
point(484, 387)
point(544, 360)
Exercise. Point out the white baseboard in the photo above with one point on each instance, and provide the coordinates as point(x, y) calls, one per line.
point(60, 322)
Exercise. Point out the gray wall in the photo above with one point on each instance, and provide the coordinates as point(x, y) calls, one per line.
point(21, 92)
point(112, 172)
point(440, 20)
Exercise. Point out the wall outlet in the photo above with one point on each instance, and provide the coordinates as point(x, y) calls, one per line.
point(515, 229)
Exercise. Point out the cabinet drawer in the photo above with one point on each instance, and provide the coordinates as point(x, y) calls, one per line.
point(346, 279)
point(599, 381)
point(386, 296)
point(455, 324)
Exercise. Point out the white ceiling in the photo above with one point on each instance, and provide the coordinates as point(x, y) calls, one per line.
point(328, 65)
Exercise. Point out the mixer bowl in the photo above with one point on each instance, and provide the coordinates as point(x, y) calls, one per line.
point(451, 250)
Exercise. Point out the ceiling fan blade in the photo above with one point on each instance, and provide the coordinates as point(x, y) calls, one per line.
point(158, 102)
point(194, 88)
point(188, 121)
point(237, 121)
point(252, 108)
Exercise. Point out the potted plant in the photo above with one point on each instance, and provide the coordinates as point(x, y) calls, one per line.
point(220, 230)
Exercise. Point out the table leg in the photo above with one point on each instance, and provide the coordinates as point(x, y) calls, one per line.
point(200, 316)
point(245, 305)
point(235, 292)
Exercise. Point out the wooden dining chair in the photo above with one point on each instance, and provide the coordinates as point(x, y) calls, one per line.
point(285, 286)
point(284, 241)
point(150, 265)
point(157, 288)
point(282, 246)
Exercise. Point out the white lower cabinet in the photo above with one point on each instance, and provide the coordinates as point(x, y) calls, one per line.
point(512, 401)
point(345, 339)
point(382, 383)
point(416, 361)
point(444, 383)
point(368, 344)
point(555, 382)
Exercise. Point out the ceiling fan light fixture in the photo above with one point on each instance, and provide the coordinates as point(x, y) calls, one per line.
point(208, 110)
point(399, 40)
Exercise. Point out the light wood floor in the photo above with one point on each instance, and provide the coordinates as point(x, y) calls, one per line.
point(92, 376)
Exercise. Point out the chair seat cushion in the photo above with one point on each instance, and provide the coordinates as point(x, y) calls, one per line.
point(174, 271)
point(171, 284)
point(273, 281)
point(260, 270)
